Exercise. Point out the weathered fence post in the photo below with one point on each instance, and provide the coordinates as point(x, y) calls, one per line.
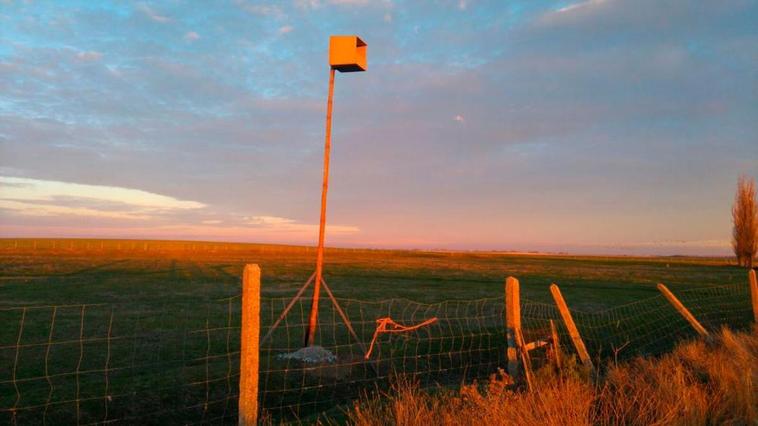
point(754, 293)
point(517, 351)
point(568, 320)
point(249, 335)
point(683, 310)
point(512, 323)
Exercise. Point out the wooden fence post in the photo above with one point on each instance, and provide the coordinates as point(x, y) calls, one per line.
point(517, 350)
point(754, 293)
point(512, 323)
point(568, 320)
point(249, 350)
point(683, 310)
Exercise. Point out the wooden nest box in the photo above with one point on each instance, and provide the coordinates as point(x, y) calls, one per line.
point(347, 53)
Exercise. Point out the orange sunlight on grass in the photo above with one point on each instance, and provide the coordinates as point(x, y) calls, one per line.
point(697, 383)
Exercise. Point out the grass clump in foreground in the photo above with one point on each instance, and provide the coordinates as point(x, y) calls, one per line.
point(697, 383)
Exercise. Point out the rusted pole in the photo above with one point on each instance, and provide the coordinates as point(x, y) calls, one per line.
point(249, 347)
point(568, 320)
point(683, 310)
point(754, 293)
point(313, 320)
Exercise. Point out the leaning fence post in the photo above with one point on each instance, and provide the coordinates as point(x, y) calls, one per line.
point(512, 323)
point(249, 335)
point(754, 293)
point(568, 320)
point(683, 310)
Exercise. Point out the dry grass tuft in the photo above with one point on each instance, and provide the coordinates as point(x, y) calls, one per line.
point(698, 383)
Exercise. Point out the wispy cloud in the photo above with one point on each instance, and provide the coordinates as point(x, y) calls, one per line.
point(283, 224)
point(259, 9)
point(89, 56)
point(307, 4)
point(152, 14)
point(35, 197)
point(286, 29)
point(268, 220)
point(579, 5)
point(54, 210)
point(191, 36)
point(56, 200)
point(315, 4)
point(350, 2)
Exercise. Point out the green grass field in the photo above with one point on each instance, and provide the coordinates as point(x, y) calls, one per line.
point(159, 334)
point(80, 271)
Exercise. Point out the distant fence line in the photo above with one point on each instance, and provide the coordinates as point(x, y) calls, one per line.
point(83, 244)
point(180, 362)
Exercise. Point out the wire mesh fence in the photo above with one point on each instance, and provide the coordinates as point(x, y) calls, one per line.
point(124, 363)
point(179, 362)
point(649, 326)
point(464, 342)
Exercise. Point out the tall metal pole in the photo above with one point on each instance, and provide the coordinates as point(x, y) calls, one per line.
point(313, 320)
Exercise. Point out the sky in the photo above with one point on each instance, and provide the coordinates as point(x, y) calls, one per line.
point(583, 126)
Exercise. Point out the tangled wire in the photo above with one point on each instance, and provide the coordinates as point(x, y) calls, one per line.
point(387, 325)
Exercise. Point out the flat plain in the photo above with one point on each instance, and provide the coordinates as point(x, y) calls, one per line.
point(34, 272)
point(128, 330)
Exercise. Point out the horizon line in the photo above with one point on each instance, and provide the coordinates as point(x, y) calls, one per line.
point(513, 252)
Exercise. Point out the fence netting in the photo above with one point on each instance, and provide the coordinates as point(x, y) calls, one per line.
point(120, 363)
point(646, 327)
point(166, 363)
point(464, 342)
